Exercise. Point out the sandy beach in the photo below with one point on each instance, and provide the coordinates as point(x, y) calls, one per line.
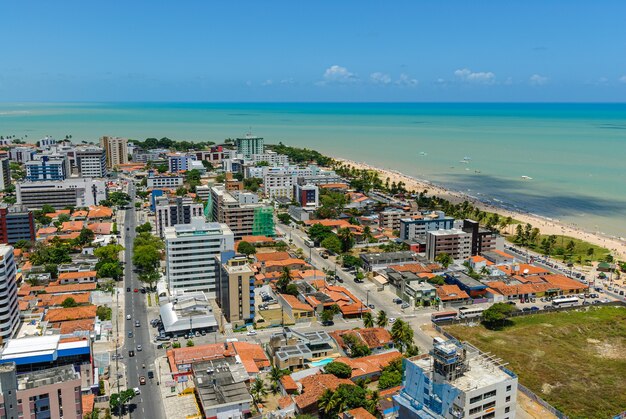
point(545, 225)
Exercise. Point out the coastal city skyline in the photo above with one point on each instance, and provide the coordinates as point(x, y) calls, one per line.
point(414, 51)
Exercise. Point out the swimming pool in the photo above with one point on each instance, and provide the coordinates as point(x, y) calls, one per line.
point(322, 362)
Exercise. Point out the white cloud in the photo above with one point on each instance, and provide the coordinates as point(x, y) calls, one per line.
point(287, 81)
point(338, 74)
point(484, 77)
point(537, 80)
point(380, 78)
point(267, 82)
point(623, 79)
point(405, 80)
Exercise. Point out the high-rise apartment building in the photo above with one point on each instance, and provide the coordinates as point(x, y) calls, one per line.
point(456, 381)
point(417, 226)
point(47, 167)
point(235, 289)
point(91, 162)
point(116, 150)
point(190, 251)
point(9, 312)
point(249, 145)
point(16, 223)
point(241, 211)
point(180, 210)
point(5, 173)
point(178, 162)
point(457, 243)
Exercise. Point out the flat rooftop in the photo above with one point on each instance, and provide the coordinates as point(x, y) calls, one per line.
point(221, 382)
point(46, 377)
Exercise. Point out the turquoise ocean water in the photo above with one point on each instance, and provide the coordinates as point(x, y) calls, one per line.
point(575, 153)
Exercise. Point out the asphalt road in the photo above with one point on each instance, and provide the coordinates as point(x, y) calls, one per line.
point(149, 403)
point(366, 291)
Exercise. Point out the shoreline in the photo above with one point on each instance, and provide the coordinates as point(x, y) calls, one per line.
point(546, 225)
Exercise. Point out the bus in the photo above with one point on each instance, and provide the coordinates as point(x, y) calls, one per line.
point(442, 316)
point(565, 302)
point(470, 312)
point(309, 243)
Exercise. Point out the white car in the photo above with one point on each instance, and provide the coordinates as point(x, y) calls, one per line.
point(137, 391)
point(128, 317)
point(392, 319)
point(251, 333)
point(139, 348)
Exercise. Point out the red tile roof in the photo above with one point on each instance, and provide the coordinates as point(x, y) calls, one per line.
point(314, 386)
point(252, 356)
point(373, 337)
point(295, 303)
point(58, 289)
point(72, 226)
point(74, 313)
point(450, 293)
point(271, 256)
point(77, 275)
point(371, 364)
point(289, 384)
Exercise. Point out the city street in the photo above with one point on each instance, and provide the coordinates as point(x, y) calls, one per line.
point(148, 404)
point(366, 291)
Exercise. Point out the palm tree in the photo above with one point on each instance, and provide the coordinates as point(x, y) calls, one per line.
point(284, 280)
point(381, 318)
point(402, 334)
point(327, 402)
point(258, 390)
point(484, 270)
point(275, 374)
point(368, 320)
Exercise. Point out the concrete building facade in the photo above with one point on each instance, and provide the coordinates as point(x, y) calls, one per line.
point(5, 173)
point(306, 195)
point(235, 289)
point(91, 162)
point(9, 312)
point(16, 223)
point(116, 150)
point(417, 226)
point(81, 192)
point(180, 210)
point(456, 381)
point(190, 251)
point(47, 167)
point(178, 162)
point(457, 243)
point(249, 145)
point(235, 209)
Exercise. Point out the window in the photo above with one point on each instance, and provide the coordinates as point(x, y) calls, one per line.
point(476, 399)
point(475, 410)
point(508, 398)
point(508, 388)
point(489, 405)
point(489, 394)
point(489, 415)
point(507, 409)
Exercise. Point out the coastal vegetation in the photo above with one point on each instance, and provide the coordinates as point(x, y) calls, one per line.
point(300, 155)
point(568, 249)
point(152, 143)
point(575, 360)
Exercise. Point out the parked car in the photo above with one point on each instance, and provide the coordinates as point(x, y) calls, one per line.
point(534, 308)
point(139, 348)
point(130, 334)
point(328, 323)
point(371, 306)
point(128, 317)
point(142, 380)
point(392, 320)
point(251, 333)
point(405, 305)
point(137, 324)
point(397, 300)
point(137, 391)
point(127, 289)
point(162, 338)
point(150, 374)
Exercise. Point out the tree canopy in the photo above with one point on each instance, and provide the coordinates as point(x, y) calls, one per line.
point(496, 316)
point(338, 369)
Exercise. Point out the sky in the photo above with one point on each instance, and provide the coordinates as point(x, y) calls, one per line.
point(260, 51)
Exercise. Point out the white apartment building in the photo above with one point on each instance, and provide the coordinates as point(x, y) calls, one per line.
point(21, 154)
point(5, 173)
point(272, 157)
point(278, 185)
point(456, 381)
point(190, 251)
point(9, 312)
point(179, 210)
point(91, 162)
point(74, 192)
point(163, 181)
point(116, 150)
point(457, 243)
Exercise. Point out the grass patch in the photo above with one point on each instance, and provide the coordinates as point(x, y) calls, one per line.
point(559, 252)
point(149, 300)
point(575, 360)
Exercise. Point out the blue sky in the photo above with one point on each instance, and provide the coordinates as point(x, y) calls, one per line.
point(313, 51)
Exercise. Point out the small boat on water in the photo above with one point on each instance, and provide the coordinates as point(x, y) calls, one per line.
point(526, 177)
point(423, 153)
point(467, 158)
point(464, 161)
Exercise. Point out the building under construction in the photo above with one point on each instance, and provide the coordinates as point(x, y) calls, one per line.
point(456, 380)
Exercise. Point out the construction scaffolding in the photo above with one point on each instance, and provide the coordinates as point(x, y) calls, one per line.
point(208, 209)
point(263, 224)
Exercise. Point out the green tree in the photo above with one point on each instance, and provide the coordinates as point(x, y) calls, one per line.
point(181, 191)
point(86, 236)
point(355, 348)
point(327, 315)
point(347, 239)
point(104, 313)
point(284, 218)
point(190, 343)
point(368, 319)
point(63, 218)
point(24, 244)
point(109, 270)
point(108, 253)
point(381, 319)
point(338, 369)
point(47, 209)
point(146, 257)
point(69, 302)
point(246, 248)
point(391, 375)
point(118, 400)
point(332, 243)
point(292, 289)
point(444, 259)
point(144, 228)
point(496, 316)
